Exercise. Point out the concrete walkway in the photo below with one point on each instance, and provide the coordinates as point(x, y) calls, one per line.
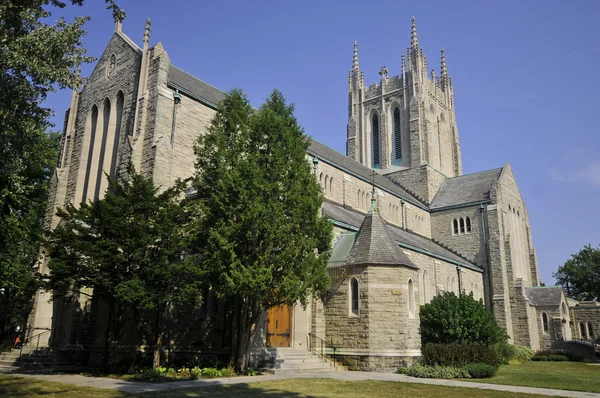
point(141, 387)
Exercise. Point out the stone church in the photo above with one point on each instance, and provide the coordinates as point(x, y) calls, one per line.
point(408, 223)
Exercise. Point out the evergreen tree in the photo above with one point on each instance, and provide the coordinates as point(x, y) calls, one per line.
point(260, 237)
point(129, 248)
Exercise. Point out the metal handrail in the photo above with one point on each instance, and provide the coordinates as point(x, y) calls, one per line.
point(322, 344)
point(31, 338)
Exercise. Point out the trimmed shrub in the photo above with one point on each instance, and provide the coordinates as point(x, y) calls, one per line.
point(437, 372)
point(522, 354)
point(513, 354)
point(228, 372)
point(148, 374)
point(481, 370)
point(449, 318)
point(540, 358)
point(505, 352)
point(211, 373)
point(459, 355)
point(402, 371)
point(195, 373)
point(558, 358)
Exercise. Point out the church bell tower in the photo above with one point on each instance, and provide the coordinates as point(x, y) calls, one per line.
point(406, 121)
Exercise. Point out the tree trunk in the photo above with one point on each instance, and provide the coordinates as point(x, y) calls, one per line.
point(248, 317)
point(107, 334)
point(134, 342)
point(159, 340)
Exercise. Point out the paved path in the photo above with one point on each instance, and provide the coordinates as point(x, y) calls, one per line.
point(141, 387)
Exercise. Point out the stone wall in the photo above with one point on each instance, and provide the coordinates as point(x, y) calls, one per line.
point(589, 314)
point(468, 244)
point(423, 181)
point(355, 193)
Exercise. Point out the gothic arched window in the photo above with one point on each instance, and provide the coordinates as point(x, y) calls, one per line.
point(354, 302)
point(590, 330)
point(462, 225)
point(88, 143)
point(376, 149)
point(468, 221)
point(120, 102)
point(455, 227)
point(397, 136)
point(411, 299)
point(545, 322)
point(582, 330)
point(425, 283)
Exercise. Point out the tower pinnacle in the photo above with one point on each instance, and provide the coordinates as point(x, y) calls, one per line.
point(147, 34)
point(355, 58)
point(444, 68)
point(414, 40)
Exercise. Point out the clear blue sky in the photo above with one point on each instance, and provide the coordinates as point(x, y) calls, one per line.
point(524, 74)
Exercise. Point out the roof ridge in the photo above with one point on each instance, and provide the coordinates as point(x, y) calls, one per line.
point(197, 78)
point(475, 172)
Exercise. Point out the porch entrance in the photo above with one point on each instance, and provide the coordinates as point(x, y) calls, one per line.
point(279, 325)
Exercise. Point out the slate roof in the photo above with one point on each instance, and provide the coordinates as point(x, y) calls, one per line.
point(464, 189)
point(341, 249)
point(196, 88)
point(374, 245)
point(329, 155)
point(544, 295)
point(404, 238)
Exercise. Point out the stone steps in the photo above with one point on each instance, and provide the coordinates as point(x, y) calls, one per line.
point(33, 359)
point(288, 360)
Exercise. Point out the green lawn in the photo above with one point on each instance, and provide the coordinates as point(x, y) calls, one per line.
point(576, 376)
point(11, 386)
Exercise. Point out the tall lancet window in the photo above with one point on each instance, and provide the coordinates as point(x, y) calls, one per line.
point(397, 137)
point(120, 102)
point(105, 126)
point(89, 138)
point(376, 149)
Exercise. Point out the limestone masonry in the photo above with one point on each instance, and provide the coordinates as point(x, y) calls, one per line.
point(428, 229)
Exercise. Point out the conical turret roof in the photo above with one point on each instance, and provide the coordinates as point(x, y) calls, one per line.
point(374, 245)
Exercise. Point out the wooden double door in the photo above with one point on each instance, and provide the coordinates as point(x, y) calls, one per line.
point(279, 326)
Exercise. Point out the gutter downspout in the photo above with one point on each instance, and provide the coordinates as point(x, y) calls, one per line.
point(487, 269)
point(402, 214)
point(460, 290)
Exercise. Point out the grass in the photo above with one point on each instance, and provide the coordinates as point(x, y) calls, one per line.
point(12, 386)
point(576, 376)
point(332, 388)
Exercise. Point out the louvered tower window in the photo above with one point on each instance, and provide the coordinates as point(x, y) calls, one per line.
point(397, 137)
point(376, 151)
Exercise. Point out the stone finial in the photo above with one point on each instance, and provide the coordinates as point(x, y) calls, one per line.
point(355, 66)
point(118, 17)
point(444, 69)
point(362, 79)
point(414, 39)
point(383, 72)
point(147, 34)
point(403, 64)
point(432, 74)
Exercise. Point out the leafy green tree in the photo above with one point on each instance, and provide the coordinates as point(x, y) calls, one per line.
point(260, 237)
point(449, 318)
point(580, 275)
point(129, 248)
point(36, 58)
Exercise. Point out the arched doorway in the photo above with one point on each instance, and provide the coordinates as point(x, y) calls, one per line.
point(279, 326)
